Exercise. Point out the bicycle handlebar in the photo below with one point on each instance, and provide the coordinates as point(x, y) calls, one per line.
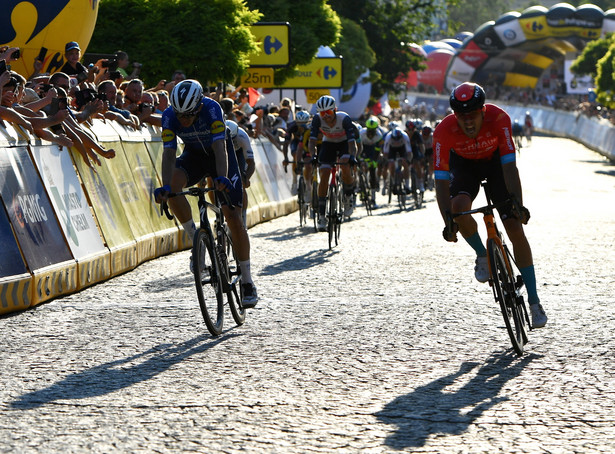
point(194, 191)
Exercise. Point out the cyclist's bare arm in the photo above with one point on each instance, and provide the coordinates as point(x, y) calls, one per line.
point(219, 147)
point(512, 180)
point(168, 164)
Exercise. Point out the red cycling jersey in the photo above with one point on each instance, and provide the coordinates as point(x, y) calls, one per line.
point(495, 134)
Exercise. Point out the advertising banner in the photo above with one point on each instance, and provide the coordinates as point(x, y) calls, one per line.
point(30, 211)
point(68, 199)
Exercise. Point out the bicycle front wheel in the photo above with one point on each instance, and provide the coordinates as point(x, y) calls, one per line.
point(208, 281)
point(301, 201)
point(505, 292)
point(332, 213)
point(315, 205)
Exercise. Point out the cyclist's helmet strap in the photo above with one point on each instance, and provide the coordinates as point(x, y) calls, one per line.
point(467, 97)
point(325, 102)
point(186, 96)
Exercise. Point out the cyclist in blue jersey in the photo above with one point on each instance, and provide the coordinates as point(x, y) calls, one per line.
point(208, 151)
point(338, 142)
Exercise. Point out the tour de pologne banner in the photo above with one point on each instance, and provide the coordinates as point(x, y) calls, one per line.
point(56, 169)
point(30, 211)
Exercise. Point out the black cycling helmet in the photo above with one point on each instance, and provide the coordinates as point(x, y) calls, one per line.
point(410, 124)
point(467, 97)
point(426, 130)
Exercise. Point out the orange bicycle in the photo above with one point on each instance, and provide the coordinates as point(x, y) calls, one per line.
point(504, 276)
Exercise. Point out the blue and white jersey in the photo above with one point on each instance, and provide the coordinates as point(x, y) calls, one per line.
point(242, 142)
point(208, 127)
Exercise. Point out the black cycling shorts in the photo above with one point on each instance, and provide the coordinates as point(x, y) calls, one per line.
point(197, 164)
point(396, 152)
point(331, 151)
point(467, 174)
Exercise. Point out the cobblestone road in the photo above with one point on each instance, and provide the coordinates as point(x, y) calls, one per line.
point(385, 344)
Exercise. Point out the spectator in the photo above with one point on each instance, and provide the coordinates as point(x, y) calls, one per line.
point(177, 77)
point(133, 94)
point(108, 90)
point(122, 64)
point(72, 54)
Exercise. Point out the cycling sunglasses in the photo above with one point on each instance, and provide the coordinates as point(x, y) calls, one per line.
point(322, 113)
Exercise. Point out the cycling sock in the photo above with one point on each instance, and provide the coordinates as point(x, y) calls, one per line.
point(529, 277)
point(189, 228)
point(322, 205)
point(246, 275)
point(477, 244)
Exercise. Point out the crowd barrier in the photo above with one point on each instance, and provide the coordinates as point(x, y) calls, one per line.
point(65, 226)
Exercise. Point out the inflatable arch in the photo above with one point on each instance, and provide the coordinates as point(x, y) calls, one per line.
point(517, 48)
point(43, 27)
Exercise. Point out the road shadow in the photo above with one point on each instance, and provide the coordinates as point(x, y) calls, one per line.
point(285, 234)
point(432, 409)
point(120, 374)
point(300, 262)
point(609, 166)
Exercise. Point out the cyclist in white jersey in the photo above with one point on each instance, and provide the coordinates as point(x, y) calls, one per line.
point(338, 143)
point(397, 145)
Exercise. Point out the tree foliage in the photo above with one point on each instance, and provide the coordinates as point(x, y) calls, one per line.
point(468, 15)
point(389, 26)
point(312, 24)
point(587, 62)
point(357, 54)
point(210, 40)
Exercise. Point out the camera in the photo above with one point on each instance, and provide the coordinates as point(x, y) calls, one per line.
point(15, 55)
point(83, 75)
point(102, 96)
point(110, 63)
point(84, 96)
point(4, 67)
point(57, 104)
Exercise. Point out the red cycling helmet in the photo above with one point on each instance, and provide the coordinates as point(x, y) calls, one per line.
point(467, 97)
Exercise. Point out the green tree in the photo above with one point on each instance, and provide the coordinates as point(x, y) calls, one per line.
point(468, 15)
point(389, 26)
point(312, 24)
point(587, 62)
point(210, 40)
point(605, 78)
point(357, 55)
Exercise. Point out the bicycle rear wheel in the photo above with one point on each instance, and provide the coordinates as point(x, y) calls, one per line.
point(235, 295)
point(208, 281)
point(505, 292)
point(365, 194)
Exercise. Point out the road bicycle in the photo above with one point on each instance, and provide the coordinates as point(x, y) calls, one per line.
point(302, 201)
point(216, 270)
point(504, 276)
point(364, 188)
point(335, 205)
point(417, 194)
point(396, 185)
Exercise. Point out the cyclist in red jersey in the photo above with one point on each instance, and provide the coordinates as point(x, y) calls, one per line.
point(474, 143)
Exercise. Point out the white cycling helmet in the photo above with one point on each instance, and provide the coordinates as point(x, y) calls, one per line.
point(302, 117)
point(233, 127)
point(325, 102)
point(186, 96)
